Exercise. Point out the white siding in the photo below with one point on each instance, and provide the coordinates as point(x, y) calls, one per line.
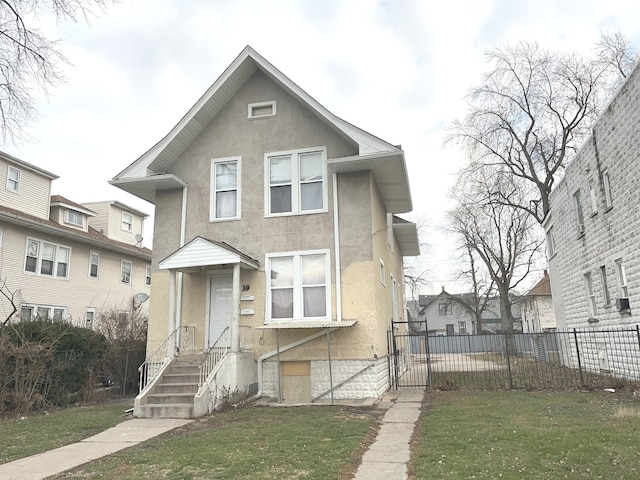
point(33, 194)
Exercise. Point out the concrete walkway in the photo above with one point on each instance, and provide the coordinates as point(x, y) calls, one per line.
point(387, 457)
point(124, 435)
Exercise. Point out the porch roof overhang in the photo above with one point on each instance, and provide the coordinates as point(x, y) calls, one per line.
point(201, 253)
point(390, 172)
point(146, 187)
point(310, 324)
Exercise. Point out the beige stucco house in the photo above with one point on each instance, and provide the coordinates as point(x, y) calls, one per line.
point(54, 263)
point(277, 248)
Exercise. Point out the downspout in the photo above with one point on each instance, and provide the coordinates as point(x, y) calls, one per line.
point(336, 248)
point(295, 344)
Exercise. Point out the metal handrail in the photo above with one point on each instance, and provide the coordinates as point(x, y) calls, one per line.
point(180, 340)
point(219, 349)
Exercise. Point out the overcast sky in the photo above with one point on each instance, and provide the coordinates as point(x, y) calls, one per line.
point(397, 69)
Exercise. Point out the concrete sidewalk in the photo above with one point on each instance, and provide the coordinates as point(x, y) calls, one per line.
point(387, 457)
point(124, 435)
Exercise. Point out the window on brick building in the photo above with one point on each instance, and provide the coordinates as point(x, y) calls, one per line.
point(577, 200)
point(605, 286)
point(591, 297)
point(606, 182)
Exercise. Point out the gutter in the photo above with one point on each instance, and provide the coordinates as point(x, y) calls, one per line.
point(336, 237)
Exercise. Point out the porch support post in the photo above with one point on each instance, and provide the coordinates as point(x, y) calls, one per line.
point(235, 323)
point(172, 307)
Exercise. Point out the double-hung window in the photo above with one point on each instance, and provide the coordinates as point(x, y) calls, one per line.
point(296, 182)
point(606, 180)
point(49, 259)
point(298, 285)
point(74, 218)
point(591, 297)
point(127, 222)
point(94, 263)
point(125, 271)
point(13, 179)
point(577, 200)
point(225, 188)
point(622, 279)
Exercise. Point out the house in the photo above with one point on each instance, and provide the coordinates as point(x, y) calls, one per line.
point(591, 228)
point(536, 307)
point(454, 314)
point(277, 245)
point(54, 263)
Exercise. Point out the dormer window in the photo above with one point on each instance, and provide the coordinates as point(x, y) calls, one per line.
point(262, 109)
point(127, 222)
point(74, 218)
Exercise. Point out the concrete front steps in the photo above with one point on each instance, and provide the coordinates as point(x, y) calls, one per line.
point(172, 396)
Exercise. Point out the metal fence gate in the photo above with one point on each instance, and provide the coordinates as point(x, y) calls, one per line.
point(409, 363)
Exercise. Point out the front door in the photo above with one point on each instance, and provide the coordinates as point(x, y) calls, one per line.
point(220, 308)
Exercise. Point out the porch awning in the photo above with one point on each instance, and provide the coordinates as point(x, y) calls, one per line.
point(201, 253)
point(313, 324)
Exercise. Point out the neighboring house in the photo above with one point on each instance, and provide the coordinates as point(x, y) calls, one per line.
point(592, 225)
point(537, 308)
point(276, 221)
point(453, 314)
point(54, 263)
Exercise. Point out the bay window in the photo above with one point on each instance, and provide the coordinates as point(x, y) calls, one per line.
point(298, 285)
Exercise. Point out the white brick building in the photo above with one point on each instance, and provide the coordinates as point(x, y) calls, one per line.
point(593, 227)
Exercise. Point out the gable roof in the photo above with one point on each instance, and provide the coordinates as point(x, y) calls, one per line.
point(202, 252)
point(60, 201)
point(148, 174)
point(543, 287)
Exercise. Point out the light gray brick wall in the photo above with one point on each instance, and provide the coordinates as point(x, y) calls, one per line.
point(609, 234)
point(352, 379)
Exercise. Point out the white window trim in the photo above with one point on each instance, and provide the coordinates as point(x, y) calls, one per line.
point(18, 182)
point(147, 275)
point(122, 262)
point(252, 106)
point(38, 272)
point(591, 296)
point(35, 306)
point(90, 323)
point(67, 218)
point(297, 287)
point(212, 189)
point(123, 223)
point(605, 286)
point(579, 211)
point(92, 252)
point(606, 181)
point(295, 182)
point(621, 274)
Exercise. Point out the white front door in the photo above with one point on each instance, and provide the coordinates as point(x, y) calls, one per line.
point(220, 307)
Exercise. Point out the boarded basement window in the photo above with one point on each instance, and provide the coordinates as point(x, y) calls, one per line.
point(262, 109)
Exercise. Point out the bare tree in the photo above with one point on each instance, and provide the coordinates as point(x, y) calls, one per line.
point(482, 286)
point(9, 294)
point(29, 61)
point(502, 237)
point(534, 110)
point(414, 276)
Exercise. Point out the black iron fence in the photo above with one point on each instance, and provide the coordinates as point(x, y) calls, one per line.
point(575, 359)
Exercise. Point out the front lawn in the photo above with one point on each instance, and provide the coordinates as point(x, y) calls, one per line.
point(521, 435)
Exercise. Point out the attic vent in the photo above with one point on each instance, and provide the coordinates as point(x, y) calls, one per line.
point(262, 109)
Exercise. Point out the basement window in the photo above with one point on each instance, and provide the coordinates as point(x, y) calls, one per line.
point(262, 109)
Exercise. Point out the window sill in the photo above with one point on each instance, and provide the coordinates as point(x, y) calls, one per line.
point(228, 219)
point(608, 209)
point(592, 320)
point(294, 214)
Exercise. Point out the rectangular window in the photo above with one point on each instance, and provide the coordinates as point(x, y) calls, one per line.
point(225, 188)
point(262, 109)
point(48, 259)
point(296, 182)
point(462, 328)
point(42, 312)
point(127, 222)
point(605, 286)
point(147, 275)
point(445, 308)
point(591, 298)
point(606, 181)
point(551, 248)
point(299, 285)
point(383, 273)
point(125, 271)
point(94, 263)
point(74, 218)
point(579, 212)
point(89, 317)
point(622, 279)
point(13, 179)
point(593, 197)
